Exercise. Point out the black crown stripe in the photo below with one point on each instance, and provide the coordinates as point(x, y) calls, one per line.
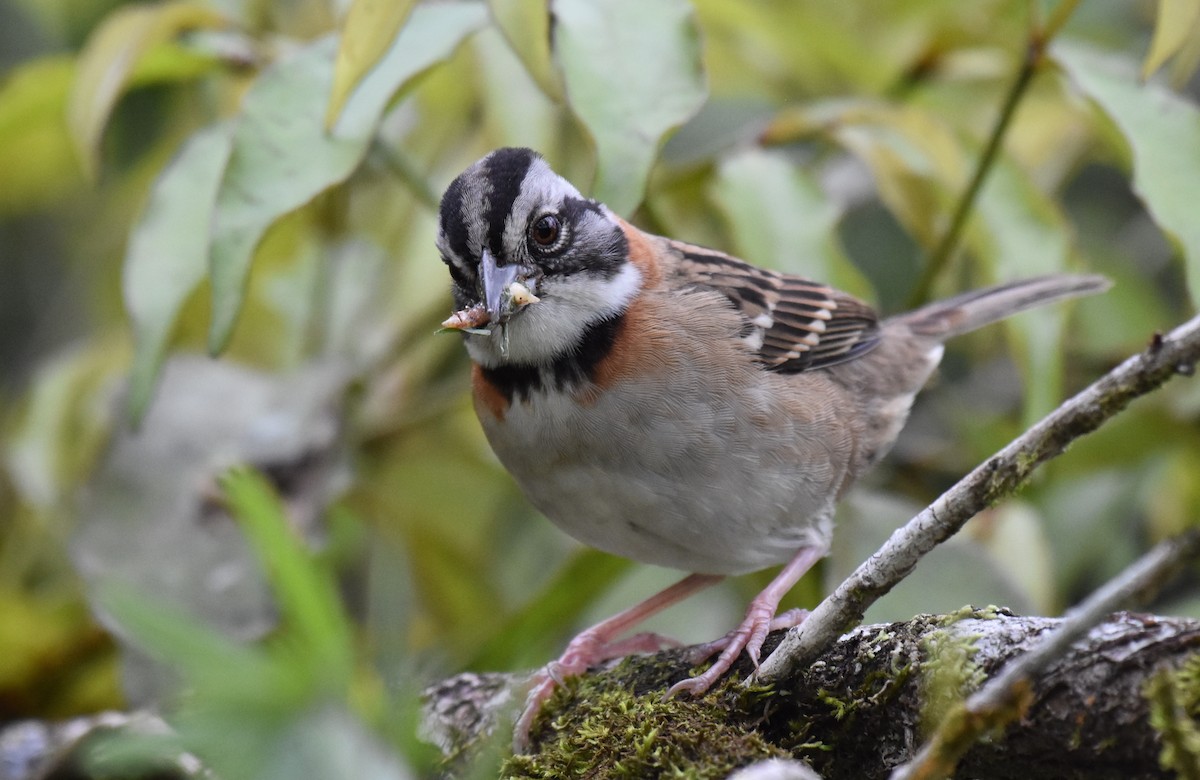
point(505, 172)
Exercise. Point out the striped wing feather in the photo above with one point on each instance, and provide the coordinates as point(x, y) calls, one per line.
point(792, 323)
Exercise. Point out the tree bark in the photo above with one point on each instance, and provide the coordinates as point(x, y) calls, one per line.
point(867, 704)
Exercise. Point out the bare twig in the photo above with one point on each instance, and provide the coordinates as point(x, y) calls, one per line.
point(1002, 699)
point(1003, 473)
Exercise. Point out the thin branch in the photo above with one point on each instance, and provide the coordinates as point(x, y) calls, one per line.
point(1004, 697)
point(1000, 475)
point(949, 242)
point(1035, 50)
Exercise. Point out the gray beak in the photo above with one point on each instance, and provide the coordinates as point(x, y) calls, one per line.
point(495, 281)
point(502, 296)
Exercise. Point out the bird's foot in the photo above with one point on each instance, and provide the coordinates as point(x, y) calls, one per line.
point(748, 636)
point(586, 650)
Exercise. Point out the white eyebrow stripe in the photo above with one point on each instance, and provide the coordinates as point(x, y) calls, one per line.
point(541, 189)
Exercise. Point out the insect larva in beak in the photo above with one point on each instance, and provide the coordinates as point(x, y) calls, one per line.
point(520, 295)
point(469, 319)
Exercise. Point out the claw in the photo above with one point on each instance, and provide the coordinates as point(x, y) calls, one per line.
point(760, 620)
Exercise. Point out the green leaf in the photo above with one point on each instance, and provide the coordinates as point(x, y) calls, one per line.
point(367, 33)
point(167, 255)
point(308, 598)
point(203, 655)
point(50, 451)
point(109, 58)
point(1175, 23)
point(525, 24)
point(1163, 134)
point(283, 157)
point(633, 72)
point(781, 219)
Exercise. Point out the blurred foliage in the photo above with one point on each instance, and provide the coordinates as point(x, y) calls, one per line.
point(230, 175)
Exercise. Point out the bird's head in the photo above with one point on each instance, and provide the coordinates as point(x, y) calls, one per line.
point(534, 264)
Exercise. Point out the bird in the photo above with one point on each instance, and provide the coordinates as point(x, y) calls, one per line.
point(674, 404)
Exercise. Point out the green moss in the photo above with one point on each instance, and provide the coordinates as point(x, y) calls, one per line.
point(968, 612)
point(1174, 698)
point(838, 708)
point(611, 732)
point(950, 674)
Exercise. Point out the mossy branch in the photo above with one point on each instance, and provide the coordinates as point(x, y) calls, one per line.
point(858, 711)
point(1007, 695)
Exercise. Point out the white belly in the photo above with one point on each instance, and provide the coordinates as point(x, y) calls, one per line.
point(669, 477)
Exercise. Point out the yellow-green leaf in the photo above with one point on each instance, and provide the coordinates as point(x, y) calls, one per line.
point(368, 32)
point(108, 60)
point(525, 24)
point(36, 161)
point(1176, 22)
point(633, 73)
point(1187, 59)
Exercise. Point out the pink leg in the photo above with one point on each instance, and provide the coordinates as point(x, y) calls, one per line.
point(789, 619)
point(599, 643)
point(759, 620)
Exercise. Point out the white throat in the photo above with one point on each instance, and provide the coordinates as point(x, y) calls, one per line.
point(553, 327)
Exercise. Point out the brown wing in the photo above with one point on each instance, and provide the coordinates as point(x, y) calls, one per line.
point(792, 323)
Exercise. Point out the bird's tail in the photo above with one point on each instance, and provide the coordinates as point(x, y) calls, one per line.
point(951, 317)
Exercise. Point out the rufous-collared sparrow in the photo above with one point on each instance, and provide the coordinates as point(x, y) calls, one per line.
point(673, 404)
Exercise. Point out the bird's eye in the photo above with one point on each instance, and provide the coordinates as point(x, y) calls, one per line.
point(545, 231)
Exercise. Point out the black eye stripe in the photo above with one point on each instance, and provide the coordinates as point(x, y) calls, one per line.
point(484, 208)
point(573, 208)
point(569, 214)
